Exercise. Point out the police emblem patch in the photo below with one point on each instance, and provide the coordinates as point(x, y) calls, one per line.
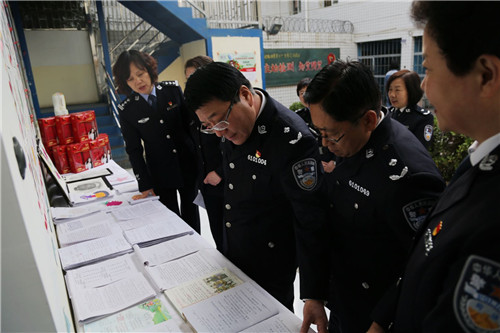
point(428, 132)
point(415, 212)
point(305, 173)
point(476, 301)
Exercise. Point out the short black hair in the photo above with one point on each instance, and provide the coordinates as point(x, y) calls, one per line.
point(346, 90)
point(121, 69)
point(198, 61)
point(463, 30)
point(215, 81)
point(303, 83)
point(412, 84)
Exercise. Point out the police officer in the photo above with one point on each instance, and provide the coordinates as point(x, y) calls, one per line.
point(155, 114)
point(274, 217)
point(404, 93)
point(382, 188)
point(327, 157)
point(451, 282)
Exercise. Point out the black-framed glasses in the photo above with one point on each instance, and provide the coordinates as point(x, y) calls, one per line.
point(333, 140)
point(221, 125)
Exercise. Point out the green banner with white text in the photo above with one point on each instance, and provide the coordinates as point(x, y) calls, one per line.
point(285, 67)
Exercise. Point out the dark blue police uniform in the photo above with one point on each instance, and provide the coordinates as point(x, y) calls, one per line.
point(418, 120)
point(273, 210)
point(170, 162)
point(452, 278)
point(379, 198)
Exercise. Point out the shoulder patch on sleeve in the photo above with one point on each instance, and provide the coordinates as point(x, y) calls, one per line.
point(415, 212)
point(305, 173)
point(476, 301)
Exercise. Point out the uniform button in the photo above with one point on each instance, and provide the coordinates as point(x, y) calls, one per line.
point(228, 224)
point(337, 182)
point(161, 121)
point(254, 177)
point(228, 206)
point(168, 136)
point(270, 244)
point(356, 206)
point(174, 151)
point(197, 128)
point(199, 146)
point(230, 186)
point(331, 205)
point(399, 281)
point(385, 147)
point(365, 285)
point(231, 165)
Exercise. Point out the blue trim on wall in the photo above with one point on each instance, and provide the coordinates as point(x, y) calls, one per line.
point(16, 15)
point(104, 38)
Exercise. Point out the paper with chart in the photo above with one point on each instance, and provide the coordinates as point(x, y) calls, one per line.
point(93, 250)
point(101, 273)
point(91, 227)
point(233, 310)
point(157, 232)
point(143, 209)
point(64, 214)
point(93, 303)
point(173, 249)
point(173, 273)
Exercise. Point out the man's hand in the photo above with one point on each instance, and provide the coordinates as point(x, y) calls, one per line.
point(144, 194)
point(328, 166)
point(314, 313)
point(212, 178)
point(375, 328)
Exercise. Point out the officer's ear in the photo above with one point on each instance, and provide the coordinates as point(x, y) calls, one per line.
point(246, 95)
point(369, 120)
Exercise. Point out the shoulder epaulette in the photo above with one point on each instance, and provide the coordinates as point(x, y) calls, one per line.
point(173, 83)
point(122, 105)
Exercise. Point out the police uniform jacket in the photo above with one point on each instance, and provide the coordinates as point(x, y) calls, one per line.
point(273, 203)
point(452, 279)
point(418, 120)
point(170, 151)
point(379, 197)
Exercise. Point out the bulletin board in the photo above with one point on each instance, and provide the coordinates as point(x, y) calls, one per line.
point(33, 292)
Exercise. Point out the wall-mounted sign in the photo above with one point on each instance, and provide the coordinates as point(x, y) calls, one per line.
point(245, 62)
point(285, 67)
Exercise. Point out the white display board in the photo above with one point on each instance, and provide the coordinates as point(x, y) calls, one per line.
point(33, 292)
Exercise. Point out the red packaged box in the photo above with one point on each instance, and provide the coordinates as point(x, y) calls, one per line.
point(64, 129)
point(60, 158)
point(84, 126)
point(79, 156)
point(100, 151)
point(48, 132)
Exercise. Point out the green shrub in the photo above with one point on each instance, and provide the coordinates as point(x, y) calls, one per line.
point(448, 150)
point(296, 106)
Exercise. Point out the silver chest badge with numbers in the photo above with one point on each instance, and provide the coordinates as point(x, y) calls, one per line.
point(476, 300)
point(305, 173)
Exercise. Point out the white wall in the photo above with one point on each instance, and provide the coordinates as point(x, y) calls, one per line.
point(62, 62)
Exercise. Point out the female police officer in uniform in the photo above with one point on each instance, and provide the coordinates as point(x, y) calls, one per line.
point(154, 113)
point(404, 93)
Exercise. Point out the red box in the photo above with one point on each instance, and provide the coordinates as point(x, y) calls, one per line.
point(64, 129)
point(100, 151)
point(48, 132)
point(84, 126)
point(60, 158)
point(79, 156)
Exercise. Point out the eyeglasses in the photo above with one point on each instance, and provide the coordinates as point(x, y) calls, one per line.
point(221, 125)
point(325, 137)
